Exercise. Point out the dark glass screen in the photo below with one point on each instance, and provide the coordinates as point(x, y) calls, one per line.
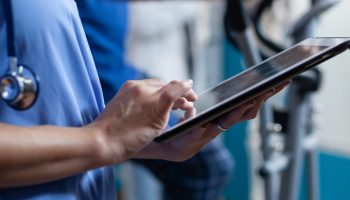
point(247, 79)
point(245, 82)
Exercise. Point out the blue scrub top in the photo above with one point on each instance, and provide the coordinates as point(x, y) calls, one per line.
point(107, 34)
point(51, 40)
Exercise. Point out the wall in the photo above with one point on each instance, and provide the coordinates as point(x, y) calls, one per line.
point(333, 121)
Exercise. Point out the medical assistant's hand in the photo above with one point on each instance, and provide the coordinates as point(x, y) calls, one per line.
point(139, 113)
point(189, 144)
point(126, 128)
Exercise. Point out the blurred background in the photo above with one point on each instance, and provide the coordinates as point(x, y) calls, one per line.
point(187, 39)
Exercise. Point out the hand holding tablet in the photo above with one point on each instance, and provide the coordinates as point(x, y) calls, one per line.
point(231, 100)
point(190, 143)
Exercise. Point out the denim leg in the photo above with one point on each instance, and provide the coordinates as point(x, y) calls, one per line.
point(202, 177)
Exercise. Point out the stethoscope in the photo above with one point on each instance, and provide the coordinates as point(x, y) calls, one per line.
point(19, 88)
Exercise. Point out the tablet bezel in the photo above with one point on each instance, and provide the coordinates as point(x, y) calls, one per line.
point(341, 44)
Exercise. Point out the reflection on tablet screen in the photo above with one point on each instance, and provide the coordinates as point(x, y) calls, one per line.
point(240, 88)
point(247, 79)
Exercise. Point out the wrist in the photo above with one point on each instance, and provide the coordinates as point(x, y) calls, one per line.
point(98, 144)
point(107, 149)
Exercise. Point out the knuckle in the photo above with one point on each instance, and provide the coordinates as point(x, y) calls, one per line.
point(179, 84)
point(137, 90)
point(133, 88)
point(167, 96)
point(181, 101)
point(129, 84)
point(174, 82)
point(158, 80)
point(182, 84)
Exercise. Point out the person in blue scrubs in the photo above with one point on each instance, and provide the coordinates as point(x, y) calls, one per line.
point(106, 35)
point(62, 147)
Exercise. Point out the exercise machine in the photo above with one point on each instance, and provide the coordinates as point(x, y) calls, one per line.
point(287, 136)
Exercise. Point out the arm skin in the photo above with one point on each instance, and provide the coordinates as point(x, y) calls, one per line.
point(30, 155)
point(138, 113)
point(125, 129)
point(187, 145)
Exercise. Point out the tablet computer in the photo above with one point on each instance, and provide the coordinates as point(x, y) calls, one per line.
point(256, 80)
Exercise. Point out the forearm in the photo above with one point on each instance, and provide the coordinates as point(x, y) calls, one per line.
point(30, 155)
point(130, 122)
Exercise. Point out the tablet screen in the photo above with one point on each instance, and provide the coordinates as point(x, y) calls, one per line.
point(248, 78)
point(237, 84)
point(259, 74)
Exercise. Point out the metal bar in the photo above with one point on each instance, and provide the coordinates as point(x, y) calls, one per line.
point(291, 177)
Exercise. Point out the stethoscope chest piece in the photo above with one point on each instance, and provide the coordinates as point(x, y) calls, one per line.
point(19, 88)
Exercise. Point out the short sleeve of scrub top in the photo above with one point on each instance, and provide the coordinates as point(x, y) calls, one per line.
point(51, 41)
